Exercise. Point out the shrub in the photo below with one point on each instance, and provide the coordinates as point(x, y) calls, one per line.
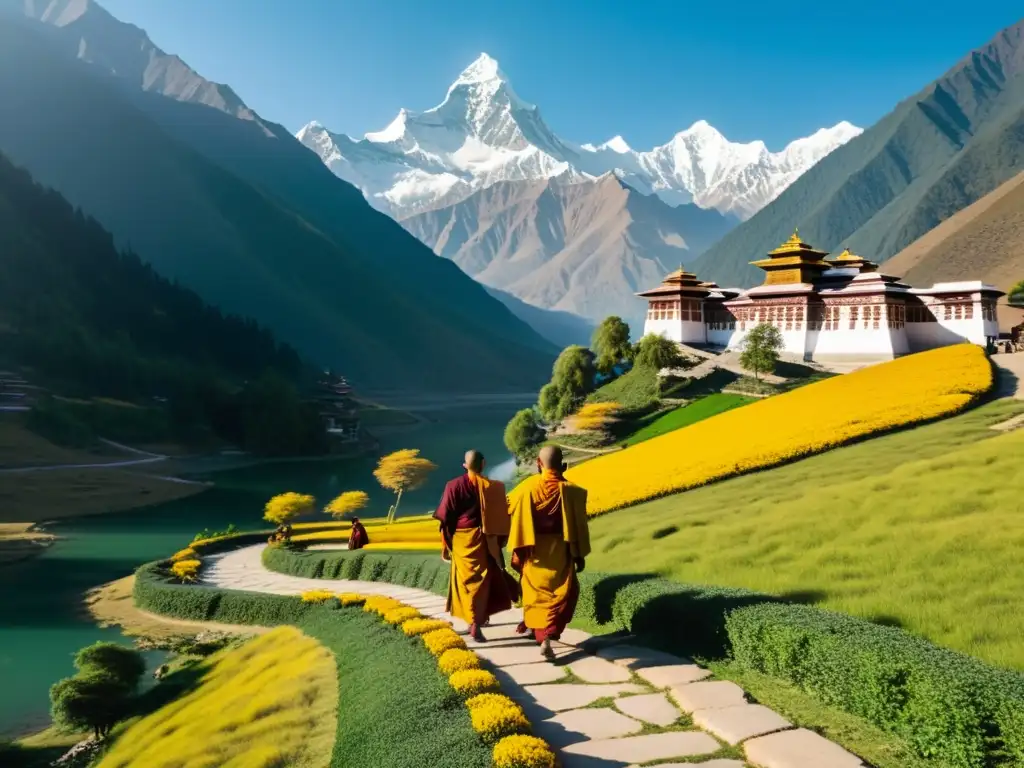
point(91, 701)
point(184, 554)
point(521, 751)
point(495, 716)
point(470, 682)
point(408, 569)
point(380, 604)
point(441, 640)
point(420, 626)
point(458, 659)
point(121, 664)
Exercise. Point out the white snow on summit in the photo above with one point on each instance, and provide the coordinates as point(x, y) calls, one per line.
point(483, 133)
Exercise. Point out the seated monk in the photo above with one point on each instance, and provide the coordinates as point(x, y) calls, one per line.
point(549, 539)
point(473, 514)
point(358, 538)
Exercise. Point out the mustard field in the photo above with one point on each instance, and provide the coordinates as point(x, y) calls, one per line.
point(270, 702)
point(800, 423)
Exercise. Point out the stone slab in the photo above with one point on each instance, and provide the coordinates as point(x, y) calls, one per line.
point(665, 676)
point(531, 674)
point(798, 749)
point(596, 670)
point(640, 749)
point(559, 697)
point(713, 694)
point(573, 637)
point(636, 657)
point(706, 764)
point(577, 725)
point(653, 708)
point(507, 655)
point(739, 723)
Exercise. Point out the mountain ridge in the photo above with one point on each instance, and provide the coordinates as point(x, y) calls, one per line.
point(935, 153)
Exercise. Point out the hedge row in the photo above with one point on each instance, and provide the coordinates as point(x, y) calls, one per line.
point(424, 570)
point(949, 706)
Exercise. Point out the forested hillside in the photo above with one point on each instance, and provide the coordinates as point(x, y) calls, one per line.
point(88, 320)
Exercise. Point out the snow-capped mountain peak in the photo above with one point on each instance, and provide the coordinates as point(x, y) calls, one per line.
point(483, 133)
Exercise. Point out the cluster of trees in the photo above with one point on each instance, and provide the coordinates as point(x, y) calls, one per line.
point(101, 693)
point(90, 320)
point(574, 377)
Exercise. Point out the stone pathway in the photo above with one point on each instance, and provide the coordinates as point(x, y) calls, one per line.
point(1010, 382)
point(602, 703)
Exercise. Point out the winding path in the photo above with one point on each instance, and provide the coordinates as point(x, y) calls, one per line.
point(602, 704)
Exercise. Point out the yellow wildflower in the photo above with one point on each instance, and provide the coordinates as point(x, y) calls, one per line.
point(495, 716)
point(317, 596)
point(520, 751)
point(401, 614)
point(351, 598)
point(458, 659)
point(420, 626)
point(470, 682)
point(186, 570)
point(380, 604)
point(805, 421)
point(185, 554)
point(441, 640)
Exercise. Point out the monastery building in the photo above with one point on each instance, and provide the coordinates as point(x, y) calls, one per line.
point(839, 309)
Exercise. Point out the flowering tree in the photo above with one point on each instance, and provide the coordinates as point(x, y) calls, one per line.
point(347, 502)
point(285, 507)
point(402, 471)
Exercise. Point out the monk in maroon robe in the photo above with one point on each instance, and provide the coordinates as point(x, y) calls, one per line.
point(358, 538)
point(477, 588)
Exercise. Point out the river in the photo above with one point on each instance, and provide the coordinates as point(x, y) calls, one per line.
point(42, 622)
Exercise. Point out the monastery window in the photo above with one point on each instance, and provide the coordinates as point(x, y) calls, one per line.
point(789, 318)
point(854, 311)
point(799, 317)
point(969, 311)
point(877, 316)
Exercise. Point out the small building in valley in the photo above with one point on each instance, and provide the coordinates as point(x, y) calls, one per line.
point(338, 409)
point(843, 308)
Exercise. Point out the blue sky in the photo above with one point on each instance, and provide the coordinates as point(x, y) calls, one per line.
point(645, 69)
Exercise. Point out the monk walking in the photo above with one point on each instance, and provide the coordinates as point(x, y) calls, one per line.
point(549, 539)
point(474, 524)
point(358, 538)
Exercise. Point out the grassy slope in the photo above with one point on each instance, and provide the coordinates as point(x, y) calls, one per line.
point(634, 390)
point(270, 702)
point(920, 528)
point(699, 410)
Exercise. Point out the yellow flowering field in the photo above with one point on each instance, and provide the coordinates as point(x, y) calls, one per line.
point(420, 532)
point(268, 703)
point(808, 420)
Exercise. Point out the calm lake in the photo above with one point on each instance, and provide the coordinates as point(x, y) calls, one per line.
point(42, 623)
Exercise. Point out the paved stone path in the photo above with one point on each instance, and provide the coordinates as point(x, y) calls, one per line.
point(601, 703)
point(1011, 374)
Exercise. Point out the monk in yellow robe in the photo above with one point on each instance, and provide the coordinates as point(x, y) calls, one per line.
point(550, 540)
point(474, 525)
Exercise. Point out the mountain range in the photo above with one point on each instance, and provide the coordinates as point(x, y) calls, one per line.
point(483, 133)
point(937, 152)
point(578, 228)
point(234, 207)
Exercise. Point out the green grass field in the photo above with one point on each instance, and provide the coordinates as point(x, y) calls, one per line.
point(701, 409)
point(923, 529)
point(634, 390)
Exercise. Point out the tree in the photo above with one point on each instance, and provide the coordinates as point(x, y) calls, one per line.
point(92, 701)
point(523, 434)
point(402, 471)
point(610, 343)
point(121, 664)
point(574, 372)
point(657, 352)
point(547, 402)
point(285, 507)
point(1017, 294)
point(761, 349)
point(347, 502)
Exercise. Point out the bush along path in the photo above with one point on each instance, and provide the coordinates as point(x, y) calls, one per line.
point(603, 703)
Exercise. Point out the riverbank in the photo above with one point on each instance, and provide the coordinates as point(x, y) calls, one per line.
point(20, 541)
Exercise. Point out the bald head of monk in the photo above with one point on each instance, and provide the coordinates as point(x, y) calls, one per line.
point(474, 461)
point(551, 458)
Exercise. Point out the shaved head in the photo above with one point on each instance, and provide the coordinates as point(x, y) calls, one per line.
point(550, 457)
point(474, 461)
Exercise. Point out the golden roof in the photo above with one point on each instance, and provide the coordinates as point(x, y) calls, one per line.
point(849, 259)
point(797, 246)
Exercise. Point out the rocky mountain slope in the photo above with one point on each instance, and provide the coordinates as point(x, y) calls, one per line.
point(580, 246)
point(984, 241)
point(484, 133)
point(235, 208)
point(936, 153)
